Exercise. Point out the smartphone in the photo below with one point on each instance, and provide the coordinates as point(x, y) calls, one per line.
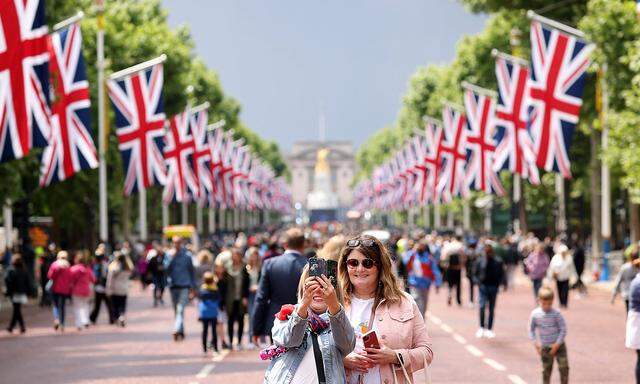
point(370, 340)
point(332, 272)
point(317, 267)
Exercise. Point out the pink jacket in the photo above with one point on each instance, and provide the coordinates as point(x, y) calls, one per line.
point(81, 280)
point(400, 326)
point(60, 273)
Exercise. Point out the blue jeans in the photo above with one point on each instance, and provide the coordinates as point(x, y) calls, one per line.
point(251, 300)
point(537, 283)
point(488, 295)
point(59, 302)
point(180, 299)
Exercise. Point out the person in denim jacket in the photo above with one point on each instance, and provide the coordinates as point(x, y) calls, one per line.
point(320, 311)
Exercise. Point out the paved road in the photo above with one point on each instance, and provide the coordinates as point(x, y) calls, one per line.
point(144, 352)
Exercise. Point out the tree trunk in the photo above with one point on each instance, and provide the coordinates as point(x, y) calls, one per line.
point(595, 194)
point(635, 222)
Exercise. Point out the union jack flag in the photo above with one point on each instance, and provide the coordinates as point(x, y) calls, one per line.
point(178, 149)
point(201, 157)
point(453, 152)
point(480, 145)
point(140, 120)
point(24, 78)
point(422, 171)
point(226, 171)
point(515, 150)
point(238, 174)
point(216, 143)
point(245, 180)
point(558, 62)
point(434, 141)
point(71, 147)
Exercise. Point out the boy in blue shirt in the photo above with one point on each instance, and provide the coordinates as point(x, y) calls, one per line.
point(208, 305)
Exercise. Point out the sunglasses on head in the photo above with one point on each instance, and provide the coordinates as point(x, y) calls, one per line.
point(366, 263)
point(354, 243)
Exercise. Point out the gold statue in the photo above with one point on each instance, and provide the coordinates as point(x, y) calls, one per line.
point(322, 165)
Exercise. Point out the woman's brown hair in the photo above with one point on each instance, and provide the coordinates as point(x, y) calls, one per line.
point(389, 287)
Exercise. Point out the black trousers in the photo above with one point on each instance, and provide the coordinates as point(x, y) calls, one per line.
point(118, 306)
point(472, 288)
point(97, 303)
point(16, 317)
point(206, 324)
point(488, 296)
point(563, 292)
point(236, 315)
point(453, 279)
point(638, 367)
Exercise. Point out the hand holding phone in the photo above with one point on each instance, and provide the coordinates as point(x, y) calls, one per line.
point(370, 340)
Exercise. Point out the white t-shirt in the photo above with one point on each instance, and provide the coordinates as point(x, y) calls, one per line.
point(306, 373)
point(359, 316)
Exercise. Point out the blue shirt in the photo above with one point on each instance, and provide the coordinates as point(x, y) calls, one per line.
point(634, 294)
point(181, 272)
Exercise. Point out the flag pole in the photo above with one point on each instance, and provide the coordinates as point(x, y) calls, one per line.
point(102, 166)
point(185, 202)
point(143, 214)
point(64, 23)
point(7, 214)
point(606, 180)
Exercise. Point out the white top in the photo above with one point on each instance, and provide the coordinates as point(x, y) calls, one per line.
point(561, 267)
point(359, 316)
point(306, 372)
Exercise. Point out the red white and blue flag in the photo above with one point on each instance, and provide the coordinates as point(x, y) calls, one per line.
point(140, 121)
point(71, 148)
point(453, 153)
point(515, 151)
point(480, 144)
point(433, 160)
point(201, 157)
point(216, 142)
point(178, 150)
point(24, 78)
point(558, 65)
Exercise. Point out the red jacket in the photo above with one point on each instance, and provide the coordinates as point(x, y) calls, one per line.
point(81, 280)
point(60, 273)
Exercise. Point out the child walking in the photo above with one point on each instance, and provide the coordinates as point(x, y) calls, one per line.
point(208, 310)
point(547, 329)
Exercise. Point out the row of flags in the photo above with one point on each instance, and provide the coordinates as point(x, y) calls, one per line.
point(45, 103)
point(525, 126)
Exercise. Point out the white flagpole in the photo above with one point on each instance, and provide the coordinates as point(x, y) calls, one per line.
point(605, 175)
point(426, 215)
point(165, 215)
point(466, 215)
point(143, 214)
point(450, 221)
point(199, 220)
point(437, 220)
point(185, 212)
point(487, 217)
point(102, 145)
point(562, 209)
point(212, 221)
point(517, 193)
point(7, 214)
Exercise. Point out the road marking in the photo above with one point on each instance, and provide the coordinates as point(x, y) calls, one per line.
point(446, 328)
point(459, 339)
point(220, 356)
point(474, 351)
point(205, 371)
point(515, 379)
point(434, 319)
point(494, 364)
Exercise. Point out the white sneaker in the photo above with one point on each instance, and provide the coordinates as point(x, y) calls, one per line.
point(480, 333)
point(489, 334)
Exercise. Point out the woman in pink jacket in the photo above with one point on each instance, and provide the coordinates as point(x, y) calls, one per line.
point(375, 301)
point(59, 275)
point(81, 281)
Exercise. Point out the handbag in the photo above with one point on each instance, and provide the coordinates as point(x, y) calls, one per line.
point(426, 372)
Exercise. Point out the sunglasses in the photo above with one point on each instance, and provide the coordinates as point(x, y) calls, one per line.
point(366, 263)
point(353, 243)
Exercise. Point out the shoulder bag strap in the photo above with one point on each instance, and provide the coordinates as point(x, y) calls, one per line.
point(317, 354)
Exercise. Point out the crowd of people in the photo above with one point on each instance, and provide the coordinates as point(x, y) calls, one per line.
point(373, 302)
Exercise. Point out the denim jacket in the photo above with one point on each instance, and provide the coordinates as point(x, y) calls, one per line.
point(335, 343)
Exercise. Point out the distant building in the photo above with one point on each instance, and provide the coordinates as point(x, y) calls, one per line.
point(340, 158)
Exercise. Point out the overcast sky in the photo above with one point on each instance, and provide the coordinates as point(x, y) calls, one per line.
point(286, 60)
